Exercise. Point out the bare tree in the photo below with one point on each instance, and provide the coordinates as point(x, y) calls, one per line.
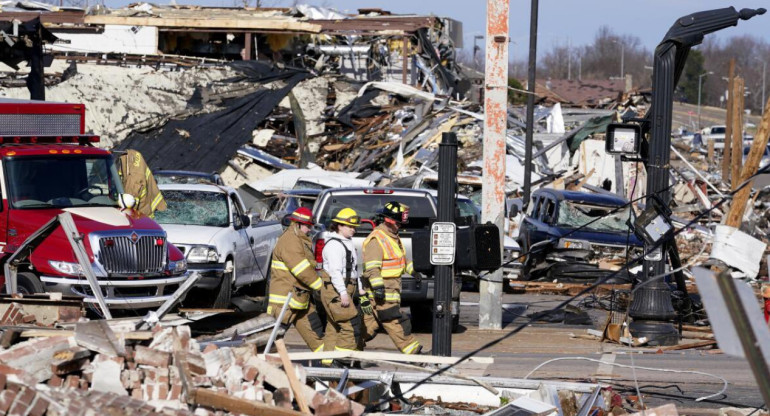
point(752, 56)
point(608, 56)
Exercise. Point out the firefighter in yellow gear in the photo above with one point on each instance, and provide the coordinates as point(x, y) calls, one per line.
point(341, 284)
point(138, 181)
point(293, 270)
point(384, 263)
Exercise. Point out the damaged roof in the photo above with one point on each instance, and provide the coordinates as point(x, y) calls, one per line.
point(580, 92)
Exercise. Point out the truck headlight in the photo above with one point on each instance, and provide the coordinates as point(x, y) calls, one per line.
point(574, 244)
point(203, 254)
point(63, 267)
point(177, 266)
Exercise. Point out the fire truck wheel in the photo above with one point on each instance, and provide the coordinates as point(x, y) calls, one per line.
point(225, 290)
point(28, 283)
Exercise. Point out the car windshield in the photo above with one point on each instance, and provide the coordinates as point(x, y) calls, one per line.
point(467, 212)
point(605, 218)
point(62, 182)
point(194, 208)
point(366, 205)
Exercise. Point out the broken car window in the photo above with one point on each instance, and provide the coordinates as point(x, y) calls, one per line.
point(194, 208)
point(575, 214)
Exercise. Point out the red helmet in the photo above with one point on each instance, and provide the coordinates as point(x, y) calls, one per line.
point(302, 215)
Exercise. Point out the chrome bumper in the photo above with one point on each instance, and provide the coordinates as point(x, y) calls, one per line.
point(119, 294)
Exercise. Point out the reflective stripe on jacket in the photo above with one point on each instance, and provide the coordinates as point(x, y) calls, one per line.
point(293, 269)
point(138, 181)
point(393, 262)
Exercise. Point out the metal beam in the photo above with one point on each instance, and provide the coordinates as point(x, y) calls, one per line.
point(414, 377)
point(76, 241)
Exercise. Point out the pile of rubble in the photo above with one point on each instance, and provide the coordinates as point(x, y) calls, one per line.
point(109, 366)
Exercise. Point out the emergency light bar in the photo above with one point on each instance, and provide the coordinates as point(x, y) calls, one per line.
point(80, 139)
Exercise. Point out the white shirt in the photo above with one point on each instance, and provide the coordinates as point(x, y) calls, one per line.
point(334, 257)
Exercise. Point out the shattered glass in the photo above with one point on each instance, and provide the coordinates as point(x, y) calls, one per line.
point(194, 208)
point(575, 214)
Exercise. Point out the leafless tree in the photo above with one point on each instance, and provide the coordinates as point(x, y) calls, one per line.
point(752, 56)
point(600, 60)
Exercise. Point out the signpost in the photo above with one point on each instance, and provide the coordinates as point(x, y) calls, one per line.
point(442, 246)
point(443, 238)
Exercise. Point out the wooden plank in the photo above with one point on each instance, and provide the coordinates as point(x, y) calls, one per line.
point(688, 346)
point(711, 152)
point(728, 130)
point(693, 328)
point(232, 404)
point(42, 333)
point(296, 386)
point(382, 356)
point(197, 23)
point(737, 131)
point(738, 206)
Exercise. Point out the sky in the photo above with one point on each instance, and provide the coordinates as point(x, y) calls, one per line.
point(560, 21)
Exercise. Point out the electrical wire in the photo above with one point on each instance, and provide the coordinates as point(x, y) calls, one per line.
point(585, 290)
point(662, 370)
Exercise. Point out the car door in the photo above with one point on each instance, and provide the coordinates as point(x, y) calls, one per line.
point(263, 235)
point(244, 258)
point(528, 224)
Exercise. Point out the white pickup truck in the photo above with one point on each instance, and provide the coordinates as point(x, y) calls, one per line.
point(229, 247)
point(717, 134)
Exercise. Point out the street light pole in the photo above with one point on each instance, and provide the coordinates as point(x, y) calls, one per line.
point(700, 78)
point(475, 47)
point(622, 58)
point(764, 73)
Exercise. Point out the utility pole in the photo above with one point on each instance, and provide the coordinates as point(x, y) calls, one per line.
point(495, 124)
point(530, 103)
point(728, 147)
point(569, 58)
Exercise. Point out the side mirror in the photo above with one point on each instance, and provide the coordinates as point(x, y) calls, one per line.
point(514, 211)
point(623, 139)
point(245, 221)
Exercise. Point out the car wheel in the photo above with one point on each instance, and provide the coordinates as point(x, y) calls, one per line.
point(225, 289)
point(28, 283)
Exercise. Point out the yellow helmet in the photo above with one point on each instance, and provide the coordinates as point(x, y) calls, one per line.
point(347, 216)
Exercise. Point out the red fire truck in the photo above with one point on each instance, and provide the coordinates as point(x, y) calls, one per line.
point(48, 165)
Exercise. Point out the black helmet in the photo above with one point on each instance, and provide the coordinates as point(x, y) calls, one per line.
point(395, 211)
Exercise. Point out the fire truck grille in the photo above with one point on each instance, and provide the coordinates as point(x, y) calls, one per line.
point(124, 256)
